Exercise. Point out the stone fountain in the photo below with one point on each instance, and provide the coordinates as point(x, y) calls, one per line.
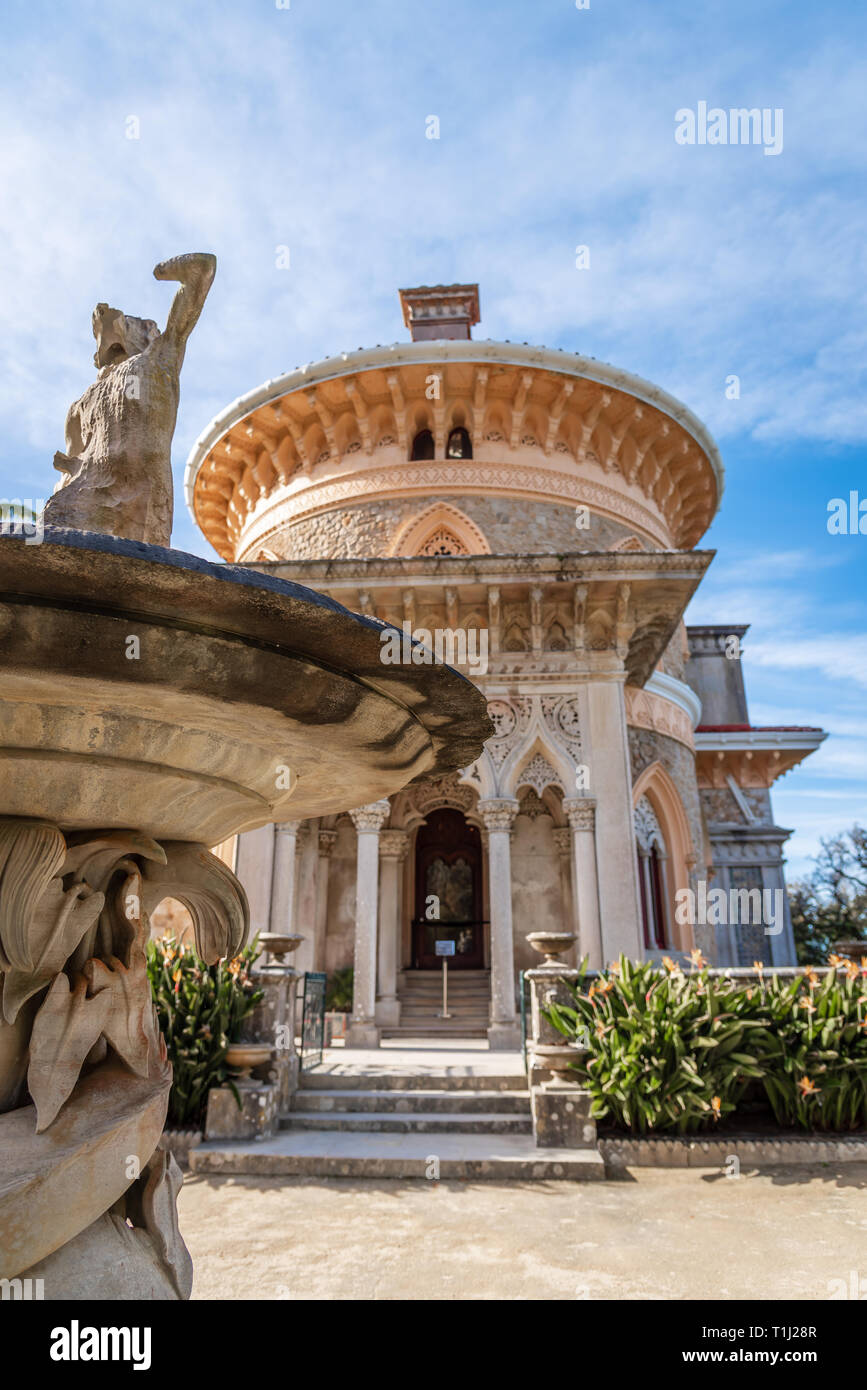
point(151, 705)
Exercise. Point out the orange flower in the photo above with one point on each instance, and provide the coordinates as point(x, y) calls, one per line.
point(234, 966)
point(806, 1087)
point(835, 961)
point(864, 962)
point(606, 986)
point(852, 970)
point(715, 1106)
point(811, 976)
point(670, 965)
point(808, 1005)
point(697, 958)
point(177, 975)
point(759, 965)
point(614, 967)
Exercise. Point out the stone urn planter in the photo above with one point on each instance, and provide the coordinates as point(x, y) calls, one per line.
point(558, 1058)
point(279, 944)
point(552, 944)
point(244, 1057)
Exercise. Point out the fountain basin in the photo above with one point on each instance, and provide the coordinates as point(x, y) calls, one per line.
point(144, 686)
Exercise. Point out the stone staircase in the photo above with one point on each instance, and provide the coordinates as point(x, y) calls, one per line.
point(421, 999)
point(425, 1124)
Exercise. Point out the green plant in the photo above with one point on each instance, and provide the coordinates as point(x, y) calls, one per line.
point(201, 1010)
point(816, 1061)
point(340, 988)
point(669, 1050)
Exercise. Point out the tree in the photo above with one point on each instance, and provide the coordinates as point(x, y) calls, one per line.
point(830, 904)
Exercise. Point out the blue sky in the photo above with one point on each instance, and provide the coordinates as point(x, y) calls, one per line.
point(305, 126)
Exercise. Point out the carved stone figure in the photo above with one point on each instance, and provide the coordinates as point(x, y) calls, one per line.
point(117, 472)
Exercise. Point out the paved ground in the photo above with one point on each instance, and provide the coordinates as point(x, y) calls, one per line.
point(652, 1235)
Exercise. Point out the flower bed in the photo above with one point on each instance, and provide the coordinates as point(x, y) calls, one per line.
point(201, 1010)
point(681, 1051)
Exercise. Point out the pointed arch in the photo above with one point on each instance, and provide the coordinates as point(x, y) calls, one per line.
point(412, 537)
point(656, 785)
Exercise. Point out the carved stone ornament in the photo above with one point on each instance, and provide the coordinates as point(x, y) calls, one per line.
point(84, 1076)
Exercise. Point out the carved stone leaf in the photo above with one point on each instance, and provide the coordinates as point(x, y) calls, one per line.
point(64, 1030)
point(210, 891)
point(129, 1018)
point(96, 857)
point(57, 924)
point(31, 854)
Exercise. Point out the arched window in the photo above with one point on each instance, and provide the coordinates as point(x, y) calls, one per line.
point(460, 446)
point(652, 855)
point(423, 445)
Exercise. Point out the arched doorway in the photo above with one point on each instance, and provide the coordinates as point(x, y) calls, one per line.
point(448, 892)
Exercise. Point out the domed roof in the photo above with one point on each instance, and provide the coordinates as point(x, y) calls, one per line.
point(539, 423)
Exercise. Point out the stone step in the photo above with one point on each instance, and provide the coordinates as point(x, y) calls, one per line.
point(494, 1157)
point(411, 1081)
point(418, 1123)
point(514, 1102)
point(433, 1030)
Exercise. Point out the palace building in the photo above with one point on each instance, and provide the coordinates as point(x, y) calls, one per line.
point(536, 515)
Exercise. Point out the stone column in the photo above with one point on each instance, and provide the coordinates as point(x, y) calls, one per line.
point(304, 918)
point(393, 847)
point(605, 740)
point(368, 821)
point(581, 813)
point(255, 868)
point(565, 856)
point(284, 876)
point(504, 1032)
point(327, 841)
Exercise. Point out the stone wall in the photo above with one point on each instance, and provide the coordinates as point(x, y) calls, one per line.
point(510, 526)
point(537, 900)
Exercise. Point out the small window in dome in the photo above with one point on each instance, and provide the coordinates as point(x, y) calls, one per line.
point(423, 445)
point(460, 445)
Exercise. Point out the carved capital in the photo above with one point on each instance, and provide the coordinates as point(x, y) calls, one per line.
point(393, 844)
point(563, 840)
point(369, 819)
point(327, 841)
point(499, 814)
point(580, 811)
